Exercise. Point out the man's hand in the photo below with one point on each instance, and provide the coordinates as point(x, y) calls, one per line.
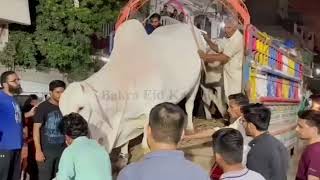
point(206, 37)
point(213, 46)
point(202, 54)
point(32, 112)
point(40, 156)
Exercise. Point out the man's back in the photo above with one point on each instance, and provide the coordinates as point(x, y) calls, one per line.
point(244, 174)
point(269, 157)
point(160, 165)
point(85, 159)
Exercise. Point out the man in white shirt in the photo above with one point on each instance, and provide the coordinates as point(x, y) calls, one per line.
point(236, 101)
point(230, 53)
point(228, 147)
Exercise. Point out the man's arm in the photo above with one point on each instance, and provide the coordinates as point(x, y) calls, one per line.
point(36, 138)
point(203, 134)
point(209, 132)
point(31, 113)
point(210, 58)
point(211, 44)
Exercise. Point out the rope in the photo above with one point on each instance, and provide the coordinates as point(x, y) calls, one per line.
point(198, 45)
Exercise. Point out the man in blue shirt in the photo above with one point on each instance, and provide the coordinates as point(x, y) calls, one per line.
point(154, 23)
point(11, 137)
point(84, 158)
point(167, 122)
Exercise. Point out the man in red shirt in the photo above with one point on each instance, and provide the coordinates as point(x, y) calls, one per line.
point(309, 129)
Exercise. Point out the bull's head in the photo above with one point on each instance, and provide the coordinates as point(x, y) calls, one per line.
point(79, 97)
point(72, 100)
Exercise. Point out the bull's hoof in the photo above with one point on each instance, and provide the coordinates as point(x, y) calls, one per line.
point(122, 161)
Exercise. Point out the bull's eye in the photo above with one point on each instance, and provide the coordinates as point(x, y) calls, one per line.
point(80, 109)
point(100, 140)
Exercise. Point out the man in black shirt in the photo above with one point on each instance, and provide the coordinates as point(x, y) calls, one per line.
point(48, 139)
point(267, 156)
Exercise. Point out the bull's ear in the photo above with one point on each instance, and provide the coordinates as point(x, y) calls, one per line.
point(72, 98)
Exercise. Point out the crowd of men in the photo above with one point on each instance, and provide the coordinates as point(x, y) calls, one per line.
point(154, 21)
point(245, 150)
point(39, 141)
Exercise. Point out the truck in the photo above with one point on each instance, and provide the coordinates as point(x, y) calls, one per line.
point(273, 74)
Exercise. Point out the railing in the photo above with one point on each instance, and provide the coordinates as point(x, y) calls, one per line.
point(166, 20)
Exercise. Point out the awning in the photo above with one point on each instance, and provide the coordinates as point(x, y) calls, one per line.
point(15, 11)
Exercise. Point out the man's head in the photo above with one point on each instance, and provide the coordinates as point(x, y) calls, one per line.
point(10, 82)
point(165, 7)
point(73, 126)
point(175, 12)
point(309, 125)
point(231, 26)
point(256, 118)
point(32, 101)
point(227, 147)
point(236, 101)
point(155, 20)
point(167, 122)
point(56, 88)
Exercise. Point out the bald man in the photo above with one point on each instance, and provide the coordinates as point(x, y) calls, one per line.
point(229, 53)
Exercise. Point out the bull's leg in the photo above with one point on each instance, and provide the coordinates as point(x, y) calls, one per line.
point(124, 150)
point(190, 104)
point(123, 156)
point(206, 102)
point(219, 101)
point(144, 143)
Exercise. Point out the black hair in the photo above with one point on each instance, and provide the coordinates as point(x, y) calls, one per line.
point(56, 84)
point(312, 117)
point(27, 104)
point(4, 76)
point(74, 125)
point(257, 114)
point(155, 15)
point(315, 97)
point(228, 142)
point(167, 122)
point(239, 98)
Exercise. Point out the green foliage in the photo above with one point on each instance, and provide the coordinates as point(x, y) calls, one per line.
point(62, 35)
point(19, 51)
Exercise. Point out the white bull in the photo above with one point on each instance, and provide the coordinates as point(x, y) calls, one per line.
point(144, 70)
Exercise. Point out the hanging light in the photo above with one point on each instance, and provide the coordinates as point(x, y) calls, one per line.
point(316, 70)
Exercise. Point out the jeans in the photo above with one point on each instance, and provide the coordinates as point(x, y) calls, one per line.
point(10, 164)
